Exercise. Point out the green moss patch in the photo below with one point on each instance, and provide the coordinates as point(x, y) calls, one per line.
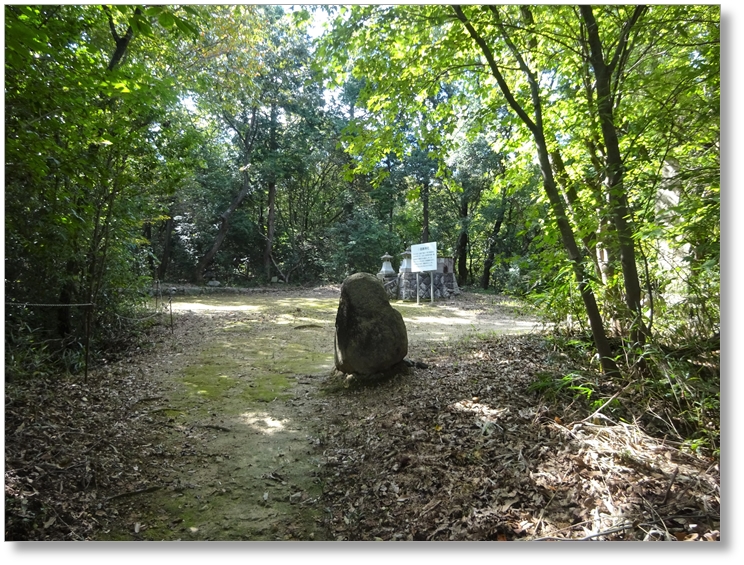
point(212, 376)
point(267, 388)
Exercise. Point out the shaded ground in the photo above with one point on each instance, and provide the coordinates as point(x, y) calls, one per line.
point(230, 427)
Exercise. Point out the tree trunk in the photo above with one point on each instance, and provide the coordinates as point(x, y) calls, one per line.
point(224, 225)
point(574, 207)
point(209, 256)
point(574, 255)
point(463, 241)
point(618, 197)
point(270, 226)
point(461, 248)
point(165, 260)
point(536, 128)
point(147, 234)
point(270, 216)
point(425, 204)
point(492, 241)
point(66, 295)
point(122, 42)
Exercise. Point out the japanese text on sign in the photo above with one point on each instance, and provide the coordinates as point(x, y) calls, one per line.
point(424, 257)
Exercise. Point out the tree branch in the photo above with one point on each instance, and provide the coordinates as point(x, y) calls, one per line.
point(488, 54)
point(122, 43)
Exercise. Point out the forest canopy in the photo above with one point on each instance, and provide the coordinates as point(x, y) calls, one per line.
point(569, 155)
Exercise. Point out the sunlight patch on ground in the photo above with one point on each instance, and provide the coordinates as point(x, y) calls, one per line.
point(452, 326)
point(242, 325)
point(284, 319)
point(486, 417)
point(198, 307)
point(480, 409)
point(263, 422)
point(328, 304)
point(318, 321)
point(438, 320)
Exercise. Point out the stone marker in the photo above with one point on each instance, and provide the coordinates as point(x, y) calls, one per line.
point(370, 334)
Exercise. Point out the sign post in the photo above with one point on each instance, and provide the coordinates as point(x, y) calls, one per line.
point(424, 258)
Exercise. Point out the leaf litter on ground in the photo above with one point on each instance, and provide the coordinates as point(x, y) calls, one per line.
point(464, 449)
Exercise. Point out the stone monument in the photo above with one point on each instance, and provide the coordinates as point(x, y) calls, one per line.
point(402, 286)
point(371, 336)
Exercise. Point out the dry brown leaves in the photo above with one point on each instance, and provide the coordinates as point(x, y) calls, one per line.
point(72, 446)
point(459, 451)
point(464, 451)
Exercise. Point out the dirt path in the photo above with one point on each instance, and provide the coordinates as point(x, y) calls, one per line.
point(230, 426)
point(236, 425)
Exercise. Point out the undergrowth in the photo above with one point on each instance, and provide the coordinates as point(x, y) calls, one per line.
point(32, 351)
point(671, 391)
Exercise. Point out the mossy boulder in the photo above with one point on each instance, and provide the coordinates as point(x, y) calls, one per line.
point(370, 334)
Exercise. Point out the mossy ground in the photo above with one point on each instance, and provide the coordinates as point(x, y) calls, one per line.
point(244, 411)
point(248, 469)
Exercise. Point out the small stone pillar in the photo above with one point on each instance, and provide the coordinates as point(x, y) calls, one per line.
point(387, 268)
point(387, 277)
point(405, 265)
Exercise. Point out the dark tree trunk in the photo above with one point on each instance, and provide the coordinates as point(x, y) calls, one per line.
point(463, 241)
point(147, 228)
point(493, 244)
point(574, 206)
point(618, 197)
point(224, 225)
point(574, 255)
point(536, 127)
point(64, 313)
point(122, 42)
point(165, 260)
point(270, 216)
point(270, 226)
point(247, 139)
point(425, 205)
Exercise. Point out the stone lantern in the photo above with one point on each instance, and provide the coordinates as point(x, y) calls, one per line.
point(405, 265)
point(387, 269)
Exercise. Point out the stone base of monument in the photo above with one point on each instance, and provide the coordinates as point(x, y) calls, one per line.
point(403, 286)
point(391, 284)
point(360, 380)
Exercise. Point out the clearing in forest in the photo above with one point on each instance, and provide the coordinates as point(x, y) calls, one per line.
point(231, 426)
point(242, 412)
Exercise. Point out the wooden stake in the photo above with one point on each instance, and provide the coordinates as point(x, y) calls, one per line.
point(88, 310)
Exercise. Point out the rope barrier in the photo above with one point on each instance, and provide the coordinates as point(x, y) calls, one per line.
point(24, 304)
point(87, 321)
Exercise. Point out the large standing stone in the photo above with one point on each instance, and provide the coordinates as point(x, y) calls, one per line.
point(370, 334)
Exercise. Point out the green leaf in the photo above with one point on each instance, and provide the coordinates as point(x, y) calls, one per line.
point(154, 10)
point(166, 19)
point(186, 27)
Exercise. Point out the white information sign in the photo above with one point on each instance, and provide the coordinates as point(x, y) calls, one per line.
point(424, 257)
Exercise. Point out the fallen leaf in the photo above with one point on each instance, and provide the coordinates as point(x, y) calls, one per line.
point(432, 504)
